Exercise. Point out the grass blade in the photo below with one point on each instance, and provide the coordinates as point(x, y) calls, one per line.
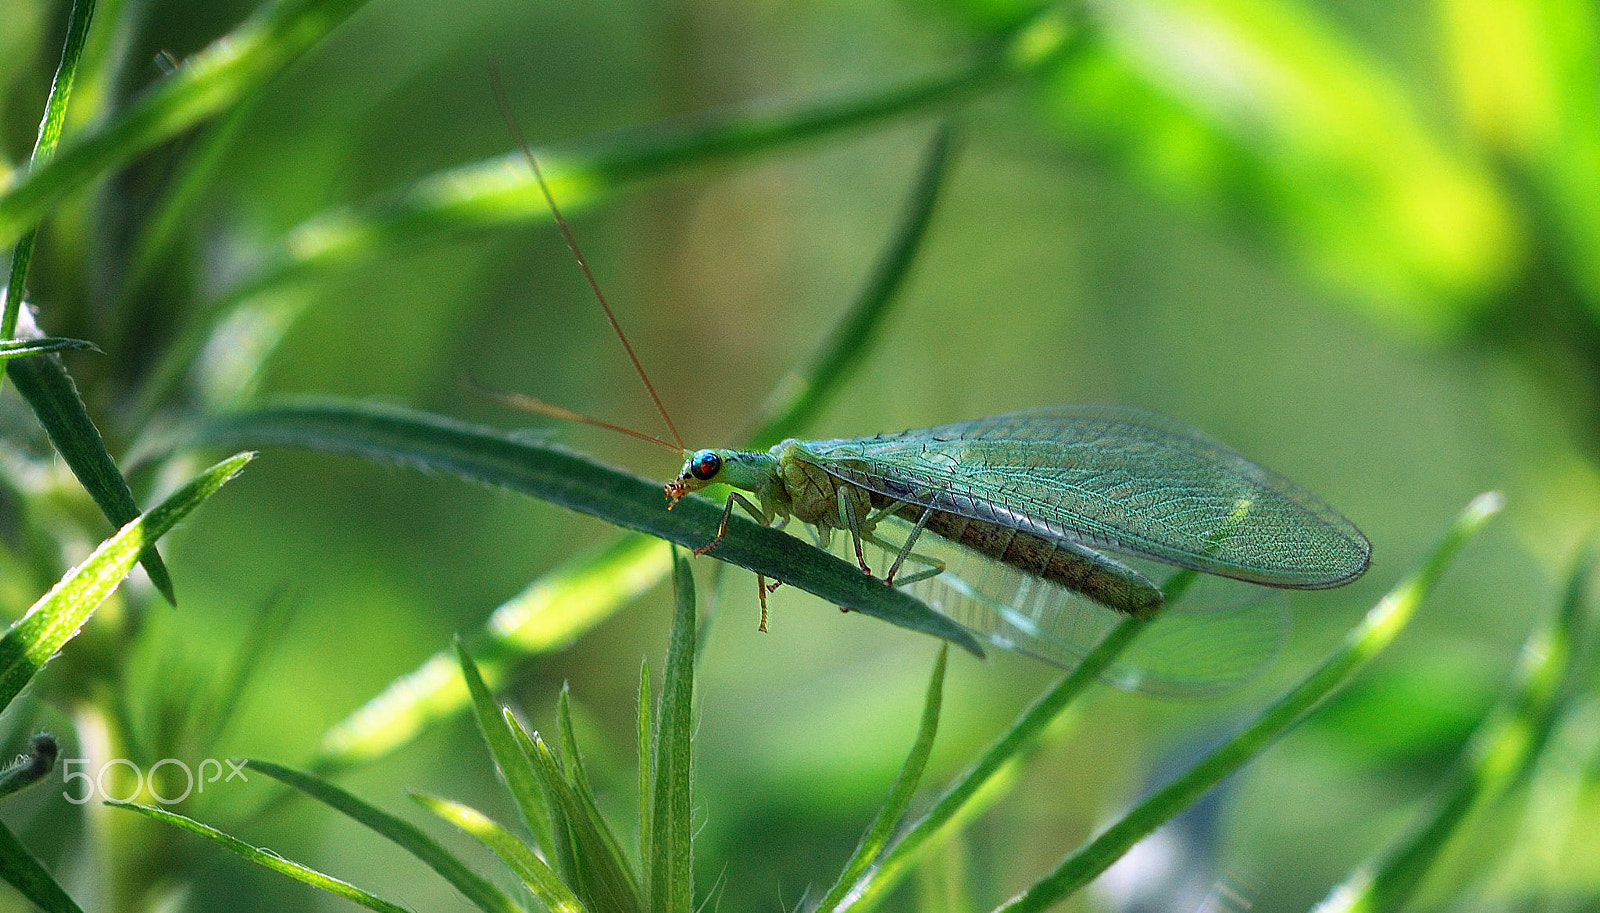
point(514, 768)
point(600, 873)
point(22, 871)
point(203, 86)
point(647, 765)
point(905, 786)
point(267, 859)
point(1361, 645)
point(51, 393)
point(1500, 752)
point(987, 780)
point(577, 779)
point(484, 895)
point(571, 758)
point(22, 348)
point(539, 878)
point(672, 814)
point(55, 117)
point(571, 480)
point(499, 192)
point(56, 618)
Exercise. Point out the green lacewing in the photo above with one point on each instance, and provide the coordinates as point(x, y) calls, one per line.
point(1051, 494)
point(1044, 516)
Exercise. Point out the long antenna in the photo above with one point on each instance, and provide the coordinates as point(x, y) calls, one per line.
point(572, 245)
point(533, 404)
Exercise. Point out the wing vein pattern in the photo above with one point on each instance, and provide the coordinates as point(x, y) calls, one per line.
point(1116, 478)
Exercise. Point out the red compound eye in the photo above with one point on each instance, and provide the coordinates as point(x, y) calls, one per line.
point(705, 465)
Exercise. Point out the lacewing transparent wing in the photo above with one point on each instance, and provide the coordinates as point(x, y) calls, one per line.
point(1220, 634)
point(1138, 485)
point(1109, 477)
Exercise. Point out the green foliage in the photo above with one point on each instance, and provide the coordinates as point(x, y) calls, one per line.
point(266, 858)
point(1152, 195)
point(60, 614)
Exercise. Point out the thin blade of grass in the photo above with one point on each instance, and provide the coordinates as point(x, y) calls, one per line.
point(571, 480)
point(58, 615)
point(483, 894)
point(53, 396)
point(1364, 642)
point(577, 777)
point(571, 758)
point(672, 839)
point(600, 873)
point(266, 858)
point(203, 86)
point(533, 872)
point(22, 871)
point(50, 126)
point(22, 348)
point(1504, 747)
point(500, 192)
point(647, 766)
point(905, 786)
point(986, 781)
point(514, 768)
point(565, 603)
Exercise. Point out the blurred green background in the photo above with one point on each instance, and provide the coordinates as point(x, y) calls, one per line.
point(1357, 241)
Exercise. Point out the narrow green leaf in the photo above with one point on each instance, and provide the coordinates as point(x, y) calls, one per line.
point(55, 118)
point(647, 766)
point(499, 192)
point(558, 608)
point(539, 878)
point(51, 393)
point(571, 758)
point(577, 778)
point(22, 871)
point(672, 816)
point(483, 894)
point(1500, 752)
point(514, 768)
point(1375, 632)
point(204, 85)
point(905, 786)
point(600, 873)
point(986, 781)
point(266, 858)
point(574, 481)
point(22, 348)
point(56, 618)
